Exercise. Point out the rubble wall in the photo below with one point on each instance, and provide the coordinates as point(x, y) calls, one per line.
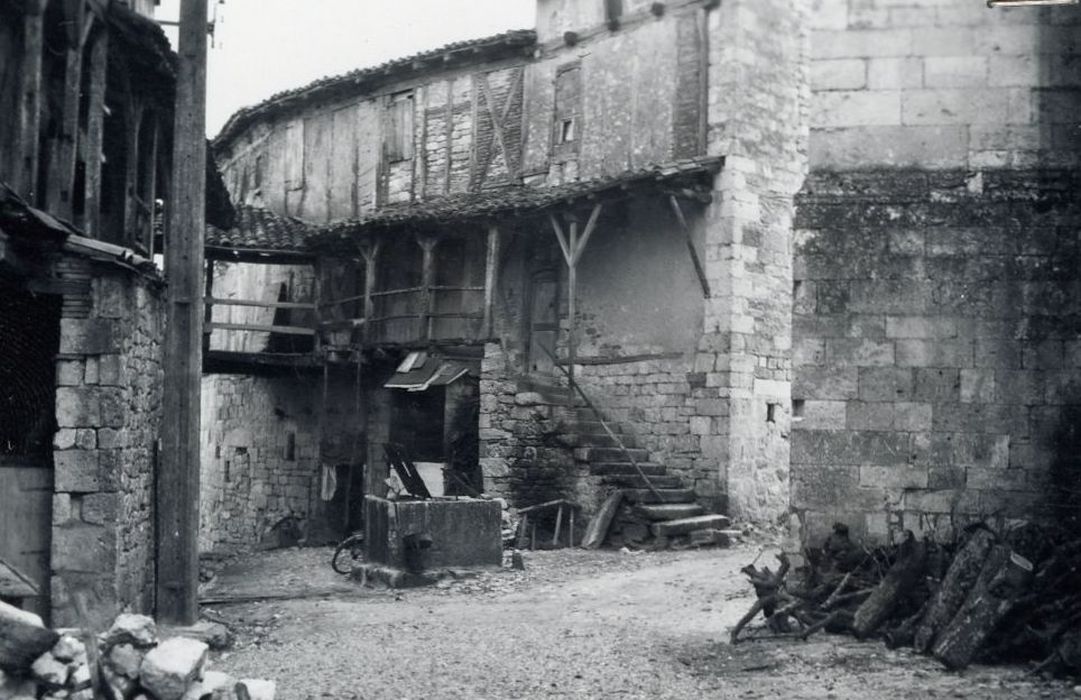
point(108, 412)
point(260, 439)
point(936, 339)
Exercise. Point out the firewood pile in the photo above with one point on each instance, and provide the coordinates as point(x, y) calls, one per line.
point(1007, 595)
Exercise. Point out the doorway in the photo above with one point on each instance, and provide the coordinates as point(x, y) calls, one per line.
point(543, 320)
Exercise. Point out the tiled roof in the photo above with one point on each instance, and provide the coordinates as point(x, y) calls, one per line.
point(261, 229)
point(517, 199)
point(475, 49)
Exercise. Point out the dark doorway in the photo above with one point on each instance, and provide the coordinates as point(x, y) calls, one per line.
point(543, 320)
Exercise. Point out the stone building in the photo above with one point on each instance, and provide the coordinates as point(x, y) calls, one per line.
point(808, 258)
point(85, 126)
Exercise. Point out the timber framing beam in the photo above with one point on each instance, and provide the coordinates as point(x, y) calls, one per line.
point(573, 246)
point(699, 269)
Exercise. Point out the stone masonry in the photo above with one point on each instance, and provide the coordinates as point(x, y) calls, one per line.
point(108, 412)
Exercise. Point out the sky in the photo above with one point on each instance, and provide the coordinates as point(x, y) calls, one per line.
point(261, 47)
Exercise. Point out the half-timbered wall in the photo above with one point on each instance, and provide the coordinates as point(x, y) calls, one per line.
point(616, 101)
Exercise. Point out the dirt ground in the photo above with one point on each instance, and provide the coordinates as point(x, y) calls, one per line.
point(574, 624)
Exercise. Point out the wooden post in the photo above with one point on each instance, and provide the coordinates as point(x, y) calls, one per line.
point(177, 501)
point(95, 124)
point(371, 254)
point(150, 181)
point(427, 244)
point(208, 311)
point(559, 525)
point(572, 248)
point(490, 279)
point(30, 100)
point(60, 191)
point(698, 268)
point(134, 122)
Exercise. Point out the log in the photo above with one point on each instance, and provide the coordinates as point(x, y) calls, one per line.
point(954, 588)
point(1004, 577)
point(598, 526)
point(21, 643)
point(892, 590)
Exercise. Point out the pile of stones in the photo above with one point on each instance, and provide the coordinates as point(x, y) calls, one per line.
point(128, 662)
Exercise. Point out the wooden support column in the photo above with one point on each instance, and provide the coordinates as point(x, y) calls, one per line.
point(208, 300)
point(371, 255)
point(698, 268)
point(573, 247)
point(317, 301)
point(29, 116)
point(134, 122)
point(427, 281)
point(150, 180)
point(177, 502)
point(95, 126)
point(60, 189)
point(491, 271)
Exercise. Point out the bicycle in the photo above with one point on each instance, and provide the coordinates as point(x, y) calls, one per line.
point(354, 546)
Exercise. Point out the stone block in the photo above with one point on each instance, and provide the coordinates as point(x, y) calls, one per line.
point(839, 74)
point(61, 508)
point(886, 383)
point(832, 383)
point(843, 108)
point(88, 336)
point(130, 628)
point(822, 415)
point(77, 407)
point(956, 106)
point(64, 439)
point(869, 416)
point(943, 501)
point(46, 669)
point(894, 73)
point(999, 353)
point(100, 508)
point(939, 146)
point(920, 327)
point(859, 352)
point(86, 439)
point(977, 385)
point(913, 417)
point(860, 43)
point(214, 685)
point(955, 71)
point(171, 667)
point(934, 353)
point(896, 477)
point(84, 549)
point(255, 689)
point(79, 471)
point(1017, 386)
point(69, 372)
point(109, 370)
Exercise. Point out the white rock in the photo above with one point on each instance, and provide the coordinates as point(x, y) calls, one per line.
point(10, 612)
point(138, 630)
point(80, 675)
point(256, 689)
point(125, 660)
point(68, 648)
point(169, 668)
point(215, 685)
point(48, 670)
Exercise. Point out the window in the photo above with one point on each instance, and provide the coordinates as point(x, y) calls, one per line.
point(613, 10)
point(399, 135)
point(568, 107)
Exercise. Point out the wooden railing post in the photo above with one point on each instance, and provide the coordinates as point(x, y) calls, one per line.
point(371, 255)
point(490, 279)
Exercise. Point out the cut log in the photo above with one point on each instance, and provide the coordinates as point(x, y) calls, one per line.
point(1005, 575)
point(21, 643)
point(954, 588)
point(598, 527)
point(894, 587)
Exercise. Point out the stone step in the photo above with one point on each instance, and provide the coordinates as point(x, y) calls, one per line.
point(594, 440)
point(671, 511)
point(611, 454)
point(662, 496)
point(633, 481)
point(619, 468)
point(683, 526)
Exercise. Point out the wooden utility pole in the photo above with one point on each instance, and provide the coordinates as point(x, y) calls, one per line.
point(178, 476)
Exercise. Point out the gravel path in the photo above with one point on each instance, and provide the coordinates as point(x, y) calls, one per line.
point(576, 624)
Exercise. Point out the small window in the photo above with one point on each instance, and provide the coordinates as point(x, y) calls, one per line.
point(399, 138)
point(613, 11)
point(260, 168)
point(566, 131)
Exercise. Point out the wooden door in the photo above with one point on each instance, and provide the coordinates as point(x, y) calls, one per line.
point(26, 498)
point(543, 321)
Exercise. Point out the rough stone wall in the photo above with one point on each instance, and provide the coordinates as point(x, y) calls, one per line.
point(936, 84)
point(108, 411)
point(757, 120)
point(259, 454)
point(937, 374)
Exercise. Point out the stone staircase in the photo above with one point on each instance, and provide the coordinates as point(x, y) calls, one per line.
point(667, 514)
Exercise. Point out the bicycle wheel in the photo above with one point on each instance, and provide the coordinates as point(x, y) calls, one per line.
point(340, 562)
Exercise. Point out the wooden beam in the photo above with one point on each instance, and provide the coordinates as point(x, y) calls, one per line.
point(576, 254)
point(214, 301)
point(208, 298)
point(427, 275)
point(59, 194)
point(95, 125)
point(260, 328)
point(698, 268)
point(491, 278)
point(572, 305)
point(371, 255)
point(561, 238)
point(177, 502)
point(26, 150)
point(134, 112)
point(150, 182)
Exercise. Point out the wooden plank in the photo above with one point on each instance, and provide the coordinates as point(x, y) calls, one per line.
point(177, 501)
point(134, 122)
point(576, 254)
point(559, 525)
point(428, 245)
point(284, 330)
point(95, 125)
point(448, 133)
point(699, 269)
point(208, 312)
point(30, 100)
point(61, 181)
point(490, 279)
point(215, 301)
point(598, 526)
point(371, 255)
point(572, 303)
point(150, 182)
